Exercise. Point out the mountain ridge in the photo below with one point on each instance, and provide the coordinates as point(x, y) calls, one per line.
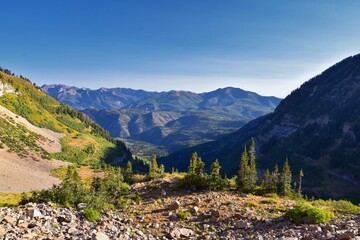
point(175, 119)
point(317, 127)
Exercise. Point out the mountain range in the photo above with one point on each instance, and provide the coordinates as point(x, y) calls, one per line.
point(168, 120)
point(317, 127)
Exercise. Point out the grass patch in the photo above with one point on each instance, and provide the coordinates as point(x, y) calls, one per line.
point(339, 207)
point(269, 201)
point(252, 204)
point(304, 212)
point(91, 214)
point(10, 199)
point(59, 172)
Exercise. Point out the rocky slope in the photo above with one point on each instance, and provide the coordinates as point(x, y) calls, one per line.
point(214, 215)
point(35, 128)
point(317, 127)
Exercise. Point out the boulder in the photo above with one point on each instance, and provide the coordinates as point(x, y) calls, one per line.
point(33, 212)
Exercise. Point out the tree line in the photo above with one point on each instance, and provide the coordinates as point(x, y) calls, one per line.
point(246, 180)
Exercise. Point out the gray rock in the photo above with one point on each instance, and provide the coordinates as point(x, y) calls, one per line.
point(241, 225)
point(33, 212)
point(194, 210)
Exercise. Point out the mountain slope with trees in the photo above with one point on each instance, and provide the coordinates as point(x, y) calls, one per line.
point(36, 127)
point(317, 127)
point(168, 121)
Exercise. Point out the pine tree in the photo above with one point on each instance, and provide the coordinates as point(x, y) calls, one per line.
point(215, 171)
point(274, 179)
point(129, 167)
point(199, 167)
point(243, 169)
point(162, 170)
point(192, 165)
point(252, 173)
point(154, 169)
point(301, 175)
point(266, 182)
point(286, 189)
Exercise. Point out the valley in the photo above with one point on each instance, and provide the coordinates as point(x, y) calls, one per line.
point(166, 121)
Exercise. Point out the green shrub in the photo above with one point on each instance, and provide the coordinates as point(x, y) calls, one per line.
point(91, 214)
point(271, 195)
point(182, 215)
point(340, 206)
point(252, 204)
point(269, 201)
point(304, 212)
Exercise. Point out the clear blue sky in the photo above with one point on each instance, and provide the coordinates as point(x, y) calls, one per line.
point(270, 47)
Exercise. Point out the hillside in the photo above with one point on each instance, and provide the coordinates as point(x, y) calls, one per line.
point(317, 127)
point(35, 128)
point(169, 121)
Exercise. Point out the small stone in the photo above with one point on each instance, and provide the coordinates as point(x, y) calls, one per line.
point(203, 216)
point(185, 232)
point(156, 225)
point(32, 225)
point(174, 205)
point(163, 193)
point(2, 231)
point(181, 232)
point(72, 230)
point(237, 216)
point(81, 206)
point(100, 236)
point(70, 218)
point(173, 217)
point(214, 219)
point(215, 213)
point(241, 225)
point(23, 225)
point(194, 210)
point(346, 236)
point(197, 201)
point(10, 220)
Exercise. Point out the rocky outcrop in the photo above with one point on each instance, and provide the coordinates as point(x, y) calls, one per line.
point(6, 88)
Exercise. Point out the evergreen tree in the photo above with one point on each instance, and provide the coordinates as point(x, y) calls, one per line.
point(162, 170)
point(301, 175)
point(128, 173)
point(252, 173)
point(266, 182)
point(243, 169)
point(192, 165)
point(215, 171)
point(274, 179)
point(199, 167)
point(286, 189)
point(129, 167)
point(154, 169)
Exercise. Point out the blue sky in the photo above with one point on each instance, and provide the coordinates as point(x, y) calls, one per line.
point(270, 47)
